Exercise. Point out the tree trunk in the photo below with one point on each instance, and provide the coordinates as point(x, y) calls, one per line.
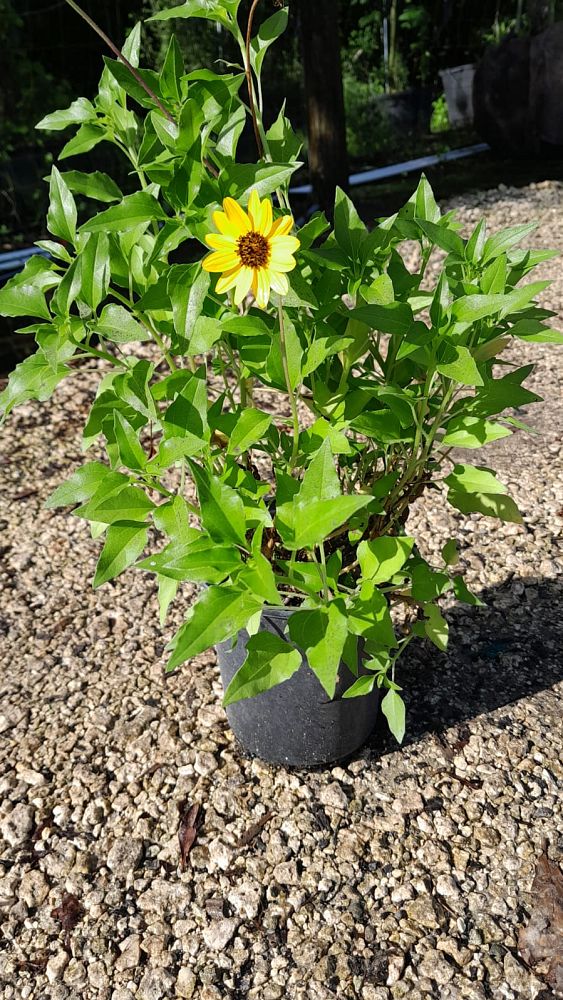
point(541, 14)
point(326, 124)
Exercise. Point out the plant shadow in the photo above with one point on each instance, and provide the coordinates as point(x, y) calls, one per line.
point(510, 649)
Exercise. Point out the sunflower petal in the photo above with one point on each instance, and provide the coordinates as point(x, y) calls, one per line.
point(288, 244)
point(282, 226)
point(221, 242)
point(225, 227)
point(243, 283)
point(254, 207)
point(264, 222)
point(263, 288)
point(279, 282)
point(221, 260)
point(282, 262)
point(236, 216)
point(227, 281)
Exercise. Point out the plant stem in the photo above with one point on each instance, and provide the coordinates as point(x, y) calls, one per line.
point(148, 326)
point(119, 55)
point(249, 83)
point(292, 401)
point(324, 573)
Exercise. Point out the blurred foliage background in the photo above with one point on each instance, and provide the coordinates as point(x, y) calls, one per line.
point(49, 56)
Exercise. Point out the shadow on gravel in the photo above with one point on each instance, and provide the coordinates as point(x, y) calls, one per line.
point(498, 654)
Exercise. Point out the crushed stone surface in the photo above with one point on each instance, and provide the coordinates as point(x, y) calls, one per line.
point(405, 872)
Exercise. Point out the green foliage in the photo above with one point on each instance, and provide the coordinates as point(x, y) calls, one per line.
point(395, 368)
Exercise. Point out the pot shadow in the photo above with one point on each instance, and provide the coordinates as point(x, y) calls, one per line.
point(510, 649)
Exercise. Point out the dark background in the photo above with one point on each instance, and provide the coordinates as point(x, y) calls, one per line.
point(381, 56)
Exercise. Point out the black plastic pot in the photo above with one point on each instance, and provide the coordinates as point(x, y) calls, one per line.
point(295, 723)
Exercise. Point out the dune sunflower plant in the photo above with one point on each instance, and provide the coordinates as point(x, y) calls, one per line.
point(273, 396)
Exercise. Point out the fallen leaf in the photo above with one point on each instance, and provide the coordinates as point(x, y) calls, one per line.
point(187, 830)
point(541, 942)
point(68, 914)
point(254, 830)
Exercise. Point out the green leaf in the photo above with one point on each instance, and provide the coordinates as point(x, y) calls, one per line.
point(285, 145)
point(96, 185)
point(200, 560)
point(425, 205)
point(123, 545)
point(472, 432)
point(135, 209)
point(363, 685)
point(129, 449)
point(493, 278)
point(269, 661)
point(450, 553)
point(382, 557)
point(129, 504)
point(172, 70)
point(173, 519)
point(393, 708)
point(95, 270)
point(223, 11)
point(188, 285)
point(476, 243)
point(237, 179)
point(473, 479)
point(84, 483)
point(506, 239)
point(395, 318)
point(459, 365)
point(222, 509)
point(85, 139)
point(250, 427)
point(349, 230)
point(23, 300)
point(219, 614)
point(186, 417)
point(34, 378)
point(167, 590)
point(320, 481)
point(380, 292)
point(368, 616)
point(436, 627)
point(462, 593)
point(269, 30)
point(321, 633)
point(490, 504)
point(207, 331)
point(274, 365)
point(443, 237)
point(382, 425)
point(118, 325)
point(131, 85)
point(81, 110)
point(535, 332)
point(62, 214)
point(306, 525)
point(259, 577)
point(427, 585)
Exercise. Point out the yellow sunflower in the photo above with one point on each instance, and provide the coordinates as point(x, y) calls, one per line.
point(253, 252)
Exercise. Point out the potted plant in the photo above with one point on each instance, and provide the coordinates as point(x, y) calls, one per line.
point(295, 391)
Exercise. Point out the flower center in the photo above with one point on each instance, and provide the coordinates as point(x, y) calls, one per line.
point(253, 250)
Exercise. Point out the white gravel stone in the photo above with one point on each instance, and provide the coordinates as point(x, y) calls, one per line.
point(16, 827)
point(219, 933)
point(124, 856)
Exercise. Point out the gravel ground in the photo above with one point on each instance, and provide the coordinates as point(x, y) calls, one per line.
point(405, 872)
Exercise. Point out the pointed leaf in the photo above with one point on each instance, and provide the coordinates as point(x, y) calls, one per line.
point(218, 615)
point(123, 545)
point(270, 661)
